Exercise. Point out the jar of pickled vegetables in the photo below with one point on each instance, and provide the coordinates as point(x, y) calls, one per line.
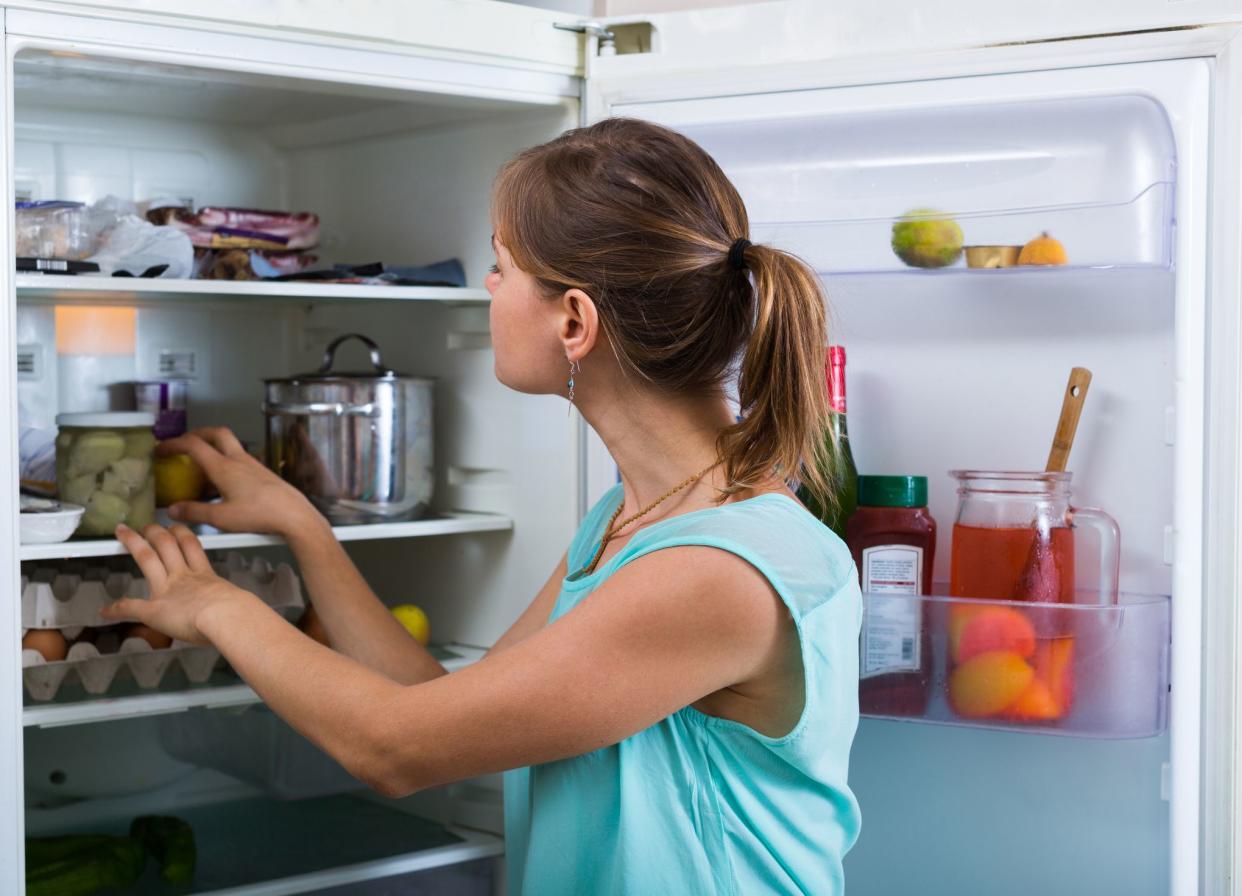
point(104, 463)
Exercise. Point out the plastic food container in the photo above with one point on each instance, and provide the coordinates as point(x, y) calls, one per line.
point(103, 462)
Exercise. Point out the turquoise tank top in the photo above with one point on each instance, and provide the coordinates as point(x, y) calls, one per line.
point(697, 804)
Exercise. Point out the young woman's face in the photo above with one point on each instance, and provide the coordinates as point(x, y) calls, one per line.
point(529, 356)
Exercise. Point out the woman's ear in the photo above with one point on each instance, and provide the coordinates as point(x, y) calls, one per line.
point(579, 328)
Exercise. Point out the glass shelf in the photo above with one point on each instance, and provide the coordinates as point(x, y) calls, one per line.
point(1082, 669)
point(259, 846)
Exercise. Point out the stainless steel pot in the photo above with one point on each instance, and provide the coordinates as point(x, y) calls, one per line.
point(359, 445)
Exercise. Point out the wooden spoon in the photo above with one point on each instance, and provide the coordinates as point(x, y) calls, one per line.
point(1041, 577)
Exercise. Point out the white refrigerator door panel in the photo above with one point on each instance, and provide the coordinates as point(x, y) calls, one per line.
point(752, 35)
point(972, 811)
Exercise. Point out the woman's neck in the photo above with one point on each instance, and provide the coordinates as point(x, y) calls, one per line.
point(657, 443)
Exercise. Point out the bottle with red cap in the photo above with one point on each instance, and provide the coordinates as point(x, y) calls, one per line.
point(843, 475)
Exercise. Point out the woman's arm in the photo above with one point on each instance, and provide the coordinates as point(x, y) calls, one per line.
point(662, 632)
point(257, 500)
point(356, 620)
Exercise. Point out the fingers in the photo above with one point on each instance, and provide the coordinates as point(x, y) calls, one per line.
point(144, 555)
point(222, 439)
point(128, 608)
point(195, 512)
point(205, 455)
point(191, 549)
point(167, 547)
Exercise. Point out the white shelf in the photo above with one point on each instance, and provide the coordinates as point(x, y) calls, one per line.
point(227, 692)
point(61, 288)
point(451, 524)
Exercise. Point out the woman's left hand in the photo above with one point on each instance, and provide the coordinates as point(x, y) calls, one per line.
point(181, 582)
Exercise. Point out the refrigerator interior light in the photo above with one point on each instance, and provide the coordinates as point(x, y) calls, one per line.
point(95, 331)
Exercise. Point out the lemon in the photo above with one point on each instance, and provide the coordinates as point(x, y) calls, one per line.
point(415, 622)
point(926, 238)
point(177, 478)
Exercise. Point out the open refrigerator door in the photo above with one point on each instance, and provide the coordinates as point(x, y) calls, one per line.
point(957, 363)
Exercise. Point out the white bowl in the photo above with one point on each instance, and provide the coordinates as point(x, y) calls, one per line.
point(48, 522)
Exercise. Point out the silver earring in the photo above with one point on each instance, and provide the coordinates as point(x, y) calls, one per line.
point(575, 368)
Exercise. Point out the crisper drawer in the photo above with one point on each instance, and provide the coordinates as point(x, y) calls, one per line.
point(1071, 669)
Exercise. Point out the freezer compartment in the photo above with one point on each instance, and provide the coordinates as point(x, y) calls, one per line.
point(1082, 669)
point(255, 845)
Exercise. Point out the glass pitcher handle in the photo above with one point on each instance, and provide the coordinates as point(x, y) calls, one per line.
point(1110, 548)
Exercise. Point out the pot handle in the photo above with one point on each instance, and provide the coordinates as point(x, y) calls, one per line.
point(329, 354)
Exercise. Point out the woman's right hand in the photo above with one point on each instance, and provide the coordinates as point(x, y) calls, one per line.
point(254, 498)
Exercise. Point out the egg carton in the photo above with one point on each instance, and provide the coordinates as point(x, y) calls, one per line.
point(70, 599)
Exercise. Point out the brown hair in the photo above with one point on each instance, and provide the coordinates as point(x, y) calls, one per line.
point(642, 220)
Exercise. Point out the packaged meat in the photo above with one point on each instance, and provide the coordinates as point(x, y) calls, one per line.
point(241, 228)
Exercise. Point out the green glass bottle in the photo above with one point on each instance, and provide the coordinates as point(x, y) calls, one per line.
point(842, 473)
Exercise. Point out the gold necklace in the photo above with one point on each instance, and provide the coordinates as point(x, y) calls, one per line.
point(611, 531)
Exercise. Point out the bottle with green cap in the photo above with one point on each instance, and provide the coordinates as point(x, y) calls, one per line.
point(893, 539)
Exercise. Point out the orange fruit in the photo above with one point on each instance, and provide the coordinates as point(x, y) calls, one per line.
point(1043, 250)
point(987, 684)
point(1035, 704)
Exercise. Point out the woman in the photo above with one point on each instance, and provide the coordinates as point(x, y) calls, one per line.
point(677, 704)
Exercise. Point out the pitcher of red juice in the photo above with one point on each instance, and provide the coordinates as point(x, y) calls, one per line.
point(1014, 540)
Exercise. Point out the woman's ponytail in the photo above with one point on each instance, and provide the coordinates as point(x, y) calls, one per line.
point(781, 390)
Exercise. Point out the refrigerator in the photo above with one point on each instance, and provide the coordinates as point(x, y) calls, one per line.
point(1114, 128)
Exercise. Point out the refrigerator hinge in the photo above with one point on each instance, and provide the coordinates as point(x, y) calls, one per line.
point(607, 45)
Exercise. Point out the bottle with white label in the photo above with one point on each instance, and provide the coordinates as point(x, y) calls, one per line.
point(893, 539)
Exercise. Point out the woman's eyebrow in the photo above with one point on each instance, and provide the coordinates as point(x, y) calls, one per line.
point(493, 242)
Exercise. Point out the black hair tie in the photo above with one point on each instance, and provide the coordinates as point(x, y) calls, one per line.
point(737, 253)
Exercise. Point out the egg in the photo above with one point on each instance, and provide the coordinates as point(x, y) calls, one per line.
point(313, 628)
point(157, 640)
point(50, 643)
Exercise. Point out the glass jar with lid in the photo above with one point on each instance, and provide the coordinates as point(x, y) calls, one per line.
point(104, 463)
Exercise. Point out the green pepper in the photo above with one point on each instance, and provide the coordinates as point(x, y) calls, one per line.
point(171, 841)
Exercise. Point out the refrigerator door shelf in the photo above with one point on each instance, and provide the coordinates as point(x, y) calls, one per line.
point(1084, 669)
point(1134, 234)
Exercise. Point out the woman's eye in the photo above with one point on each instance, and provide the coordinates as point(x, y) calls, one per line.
point(495, 269)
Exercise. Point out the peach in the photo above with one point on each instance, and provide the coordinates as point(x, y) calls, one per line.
point(993, 628)
point(1035, 705)
point(986, 684)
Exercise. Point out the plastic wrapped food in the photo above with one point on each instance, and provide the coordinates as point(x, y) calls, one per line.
point(241, 228)
point(54, 230)
point(104, 462)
